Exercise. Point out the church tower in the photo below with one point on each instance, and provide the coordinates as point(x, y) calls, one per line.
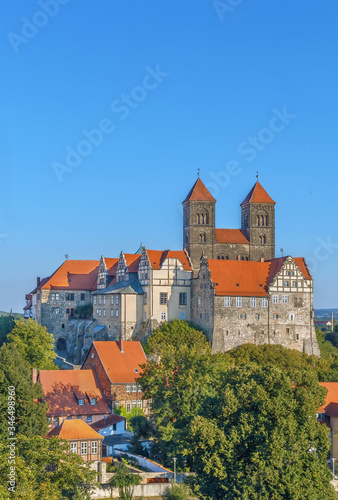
point(199, 223)
point(258, 222)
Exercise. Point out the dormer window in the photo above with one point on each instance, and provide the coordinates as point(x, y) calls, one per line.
point(81, 402)
point(93, 401)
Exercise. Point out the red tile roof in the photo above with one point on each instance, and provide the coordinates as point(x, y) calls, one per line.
point(247, 278)
point(42, 282)
point(62, 387)
point(258, 195)
point(230, 236)
point(330, 407)
point(132, 261)
point(73, 430)
point(60, 279)
point(106, 422)
point(157, 257)
point(199, 193)
point(120, 366)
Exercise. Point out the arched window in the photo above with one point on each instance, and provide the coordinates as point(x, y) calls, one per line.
point(198, 219)
point(262, 218)
point(258, 220)
point(262, 239)
point(203, 237)
point(202, 217)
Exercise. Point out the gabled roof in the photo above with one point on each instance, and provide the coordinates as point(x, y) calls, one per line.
point(230, 236)
point(330, 407)
point(157, 257)
point(199, 193)
point(41, 284)
point(132, 261)
point(106, 422)
point(277, 264)
point(258, 195)
point(62, 388)
point(121, 367)
point(74, 275)
point(73, 430)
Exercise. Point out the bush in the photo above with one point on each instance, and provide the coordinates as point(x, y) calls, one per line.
point(176, 492)
point(84, 311)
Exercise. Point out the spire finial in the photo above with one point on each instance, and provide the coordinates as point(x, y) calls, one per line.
point(257, 174)
point(198, 172)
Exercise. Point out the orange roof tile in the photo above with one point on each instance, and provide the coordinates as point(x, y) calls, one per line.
point(230, 236)
point(120, 366)
point(240, 278)
point(111, 264)
point(258, 195)
point(132, 261)
point(157, 257)
point(62, 387)
point(73, 430)
point(330, 407)
point(60, 279)
point(199, 193)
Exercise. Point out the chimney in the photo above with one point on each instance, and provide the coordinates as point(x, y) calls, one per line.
point(38, 281)
point(120, 343)
point(262, 259)
point(238, 257)
point(34, 375)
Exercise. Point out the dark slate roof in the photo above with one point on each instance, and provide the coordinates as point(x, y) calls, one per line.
point(132, 287)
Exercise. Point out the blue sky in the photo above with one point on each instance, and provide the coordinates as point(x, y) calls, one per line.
point(171, 87)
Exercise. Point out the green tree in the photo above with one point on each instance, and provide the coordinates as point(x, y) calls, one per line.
point(7, 324)
point(30, 414)
point(84, 311)
point(46, 469)
point(35, 344)
point(125, 481)
point(259, 438)
point(176, 492)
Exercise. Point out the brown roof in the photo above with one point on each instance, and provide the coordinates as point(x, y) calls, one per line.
point(199, 193)
point(106, 422)
point(74, 275)
point(42, 282)
point(258, 195)
point(157, 257)
point(63, 388)
point(330, 407)
point(73, 430)
point(121, 367)
point(230, 236)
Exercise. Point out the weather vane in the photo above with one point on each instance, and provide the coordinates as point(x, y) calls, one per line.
point(257, 174)
point(282, 250)
point(198, 172)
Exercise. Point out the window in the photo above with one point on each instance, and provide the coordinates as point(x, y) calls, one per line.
point(288, 330)
point(139, 388)
point(69, 418)
point(291, 317)
point(56, 420)
point(81, 402)
point(128, 388)
point(163, 316)
point(206, 315)
point(116, 313)
point(95, 301)
point(145, 298)
point(294, 284)
point(83, 448)
point(73, 447)
point(286, 284)
point(199, 301)
point(55, 296)
point(275, 299)
point(114, 427)
point(100, 300)
point(128, 406)
point(112, 300)
point(203, 238)
point(93, 401)
point(242, 316)
point(300, 317)
point(134, 388)
point(264, 302)
point(104, 312)
point(145, 316)
point(104, 300)
point(285, 299)
point(89, 418)
point(83, 296)
point(226, 301)
point(320, 416)
point(257, 316)
point(117, 300)
point(133, 403)
point(183, 299)
point(253, 301)
point(163, 298)
point(92, 355)
point(140, 403)
point(297, 336)
point(99, 312)
point(94, 447)
point(238, 301)
point(182, 315)
point(69, 296)
point(275, 316)
point(112, 313)
point(55, 310)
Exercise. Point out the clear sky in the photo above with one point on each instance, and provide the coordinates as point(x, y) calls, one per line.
point(109, 108)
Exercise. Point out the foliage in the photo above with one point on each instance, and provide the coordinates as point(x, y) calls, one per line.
point(6, 326)
point(125, 481)
point(329, 359)
point(35, 344)
point(176, 492)
point(84, 311)
point(258, 438)
point(46, 469)
point(31, 415)
point(142, 427)
point(129, 415)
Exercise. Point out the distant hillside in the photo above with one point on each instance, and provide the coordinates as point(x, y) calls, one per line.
point(15, 315)
point(326, 313)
